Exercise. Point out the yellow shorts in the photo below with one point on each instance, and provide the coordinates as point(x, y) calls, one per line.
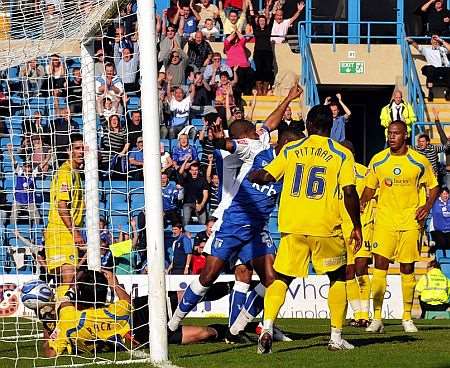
point(401, 246)
point(295, 252)
point(366, 248)
point(59, 248)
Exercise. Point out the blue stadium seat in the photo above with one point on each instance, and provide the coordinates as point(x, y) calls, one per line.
point(135, 184)
point(134, 103)
point(445, 267)
point(122, 220)
point(273, 225)
point(167, 144)
point(137, 201)
point(194, 229)
point(117, 202)
point(197, 123)
point(443, 256)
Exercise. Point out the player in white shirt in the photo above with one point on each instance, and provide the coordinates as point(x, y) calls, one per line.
point(246, 148)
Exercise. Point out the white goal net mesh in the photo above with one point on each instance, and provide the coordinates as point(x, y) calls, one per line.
point(42, 195)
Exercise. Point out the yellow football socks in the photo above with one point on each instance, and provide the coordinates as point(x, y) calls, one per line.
point(364, 295)
point(408, 284)
point(337, 302)
point(273, 300)
point(353, 297)
point(378, 290)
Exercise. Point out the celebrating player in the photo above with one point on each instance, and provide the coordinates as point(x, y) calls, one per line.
point(399, 172)
point(313, 170)
point(63, 236)
point(358, 289)
point(229, 241)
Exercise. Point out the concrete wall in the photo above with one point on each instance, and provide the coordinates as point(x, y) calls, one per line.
point(383, 64)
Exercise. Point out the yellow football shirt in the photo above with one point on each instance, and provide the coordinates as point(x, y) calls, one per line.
point(99, 329)
point(66, 186)
point(368, 215)
point(399, 179)
point(314, 170)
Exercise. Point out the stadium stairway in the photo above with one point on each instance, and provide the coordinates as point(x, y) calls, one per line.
point(266, 104)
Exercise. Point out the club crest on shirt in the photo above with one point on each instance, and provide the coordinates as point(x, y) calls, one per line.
point(388, 182)
point(264, 163)
point(397, 171)
point(218, 243)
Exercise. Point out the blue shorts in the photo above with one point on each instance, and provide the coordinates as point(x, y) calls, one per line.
point(245, 243)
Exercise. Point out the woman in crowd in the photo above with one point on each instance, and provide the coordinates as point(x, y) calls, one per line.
point(114, 147)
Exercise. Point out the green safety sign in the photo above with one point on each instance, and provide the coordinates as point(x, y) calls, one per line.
point(351, 67)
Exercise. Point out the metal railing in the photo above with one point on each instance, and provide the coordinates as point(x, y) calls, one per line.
point(411, 80)
point(367, 36)
point(308, 76)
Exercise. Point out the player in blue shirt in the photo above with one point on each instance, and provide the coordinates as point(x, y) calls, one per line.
point(247, 144)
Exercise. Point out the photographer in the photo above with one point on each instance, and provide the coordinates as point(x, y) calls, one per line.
point(437, 69)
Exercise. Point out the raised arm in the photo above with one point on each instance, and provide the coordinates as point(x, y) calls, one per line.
point(425, 6)
point(344, 106)
point(300, 7)
point(195, 12)
point(219, 140)
point(252, 106)
point(209, 168)
point(413, 43)
point(276, 116)
point(442, 135)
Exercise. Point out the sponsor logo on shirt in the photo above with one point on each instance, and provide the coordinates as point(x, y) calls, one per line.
point(64, 188)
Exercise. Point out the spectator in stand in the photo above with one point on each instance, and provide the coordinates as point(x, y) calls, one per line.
point(397, 109)
point(198, 261)
point(136, 160)
point(35, 126)
point(210, 31)
point(195, 193)
point(24, 190)
point(339, 120)
point(60, 129)
point(167, 164)
point(236, 112)
point(223, 91)
point(134, 127)
point(206, 138)
point(431, 151)
point(199, 52)
point(263, 53)
point(437, 18)
point(52, 25)
point(180, 106)
point(108, 108)
point(234, 22)
point(109, 85)
point(213, 70)
point(289, 122)
point(437, 69)
point(281, 26)
point(32, 75)
point(56, 82)
point(114, 147)
point(234, 48)
point(175, 66)
point(214, 189)
point(433, 289)
point(184, 152)
point(170, 38)
point(440, 221)
point(234, 4)
point(202, 102)
point(127, 64)
point(74, 92)
point(40, 156)
point(190, 16)
point(123, 39)
point(182, 251)
point(172, 196)
point(207, 12)
point(99, 64)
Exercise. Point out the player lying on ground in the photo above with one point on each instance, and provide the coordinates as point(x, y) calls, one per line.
point(313, 171)
point(244, 241)
point(400, 173)
point(88, 323)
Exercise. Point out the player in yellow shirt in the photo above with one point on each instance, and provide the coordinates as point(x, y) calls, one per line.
point(399, 172)
point(62, 236)
point(314, 170)
point(91, 325)
point(357, 272)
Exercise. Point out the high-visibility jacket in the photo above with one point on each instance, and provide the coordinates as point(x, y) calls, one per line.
point(434, 287)
point(387, 115)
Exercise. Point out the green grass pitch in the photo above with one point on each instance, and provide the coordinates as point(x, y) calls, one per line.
point(428, 348)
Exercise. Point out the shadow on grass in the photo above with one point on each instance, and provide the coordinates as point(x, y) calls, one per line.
point(224, 350)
